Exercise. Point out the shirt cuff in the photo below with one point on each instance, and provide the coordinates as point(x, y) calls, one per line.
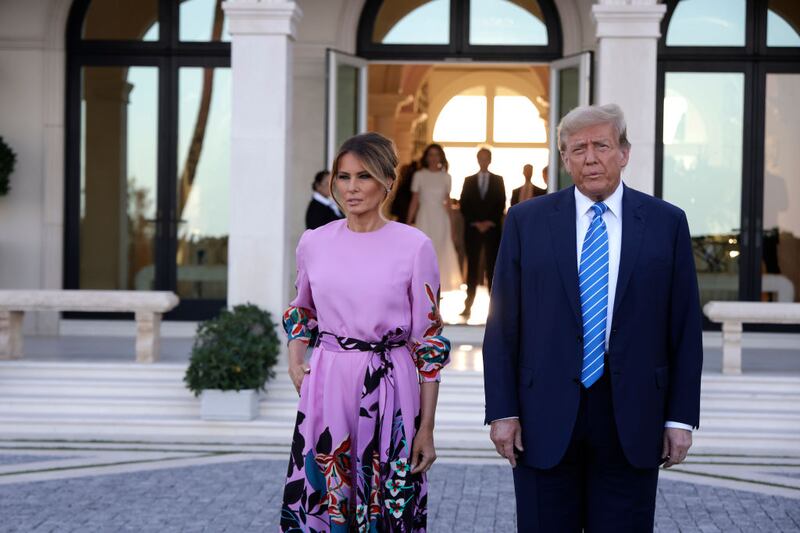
point(506, 418)
point(677, 425)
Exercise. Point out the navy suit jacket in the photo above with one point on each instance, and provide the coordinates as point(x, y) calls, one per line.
point(533, 343)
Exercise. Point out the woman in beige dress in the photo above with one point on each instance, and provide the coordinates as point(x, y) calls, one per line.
point(430, 212)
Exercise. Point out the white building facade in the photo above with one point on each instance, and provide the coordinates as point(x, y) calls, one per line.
point(170, 145)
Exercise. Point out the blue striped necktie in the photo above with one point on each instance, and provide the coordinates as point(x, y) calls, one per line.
point(593, 279)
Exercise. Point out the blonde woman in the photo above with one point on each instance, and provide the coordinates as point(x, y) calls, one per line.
point(367, 298)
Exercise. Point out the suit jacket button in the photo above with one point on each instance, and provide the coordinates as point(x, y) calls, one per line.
point(580, 338)
point(576, 380)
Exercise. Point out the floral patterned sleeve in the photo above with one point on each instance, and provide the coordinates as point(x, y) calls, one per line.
point(431, 351)
point(299, 320)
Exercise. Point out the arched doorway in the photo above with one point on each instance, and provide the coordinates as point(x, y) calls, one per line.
point(464, 74)
point(147, 144)
point(502, 109)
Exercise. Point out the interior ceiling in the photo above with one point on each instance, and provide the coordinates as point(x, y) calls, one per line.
point(407, 79)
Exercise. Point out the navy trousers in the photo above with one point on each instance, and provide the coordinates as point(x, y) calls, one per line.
point(594, 488)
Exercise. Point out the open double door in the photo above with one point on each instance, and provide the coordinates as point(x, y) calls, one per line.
point(570, 86)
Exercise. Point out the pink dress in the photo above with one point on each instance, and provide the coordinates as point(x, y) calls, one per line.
point(369, 304)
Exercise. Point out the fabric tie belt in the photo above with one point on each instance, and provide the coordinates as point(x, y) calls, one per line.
point(393, 339)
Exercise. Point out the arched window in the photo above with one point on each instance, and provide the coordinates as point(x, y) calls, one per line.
point(147, 153)
point(500, 118)
point(480, 29)
point(728, 80)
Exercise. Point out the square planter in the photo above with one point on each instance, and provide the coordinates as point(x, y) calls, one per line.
point(229, 404)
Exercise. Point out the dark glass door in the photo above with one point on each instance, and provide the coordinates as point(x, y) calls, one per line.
point(148, 122)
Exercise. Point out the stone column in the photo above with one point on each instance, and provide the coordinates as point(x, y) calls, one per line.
point(625, 74)
point(259, 251)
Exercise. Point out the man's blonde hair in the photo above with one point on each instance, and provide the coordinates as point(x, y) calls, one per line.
point(592, 115)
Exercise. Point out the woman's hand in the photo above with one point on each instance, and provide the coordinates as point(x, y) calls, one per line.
point(298, 372)
point(423, 453)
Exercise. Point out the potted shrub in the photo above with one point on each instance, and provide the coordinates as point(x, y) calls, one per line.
point(8, 160)
point(232, 358)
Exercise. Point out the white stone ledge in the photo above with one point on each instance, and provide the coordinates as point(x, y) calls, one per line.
point(753, 312)
point(733, 315)
point(89, 301)
point(147, 306)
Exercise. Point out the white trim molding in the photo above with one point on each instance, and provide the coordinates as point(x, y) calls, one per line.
point(250, 17)
point(628, 21)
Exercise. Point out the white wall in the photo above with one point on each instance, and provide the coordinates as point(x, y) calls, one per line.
point(22, 127)
point(31, 121)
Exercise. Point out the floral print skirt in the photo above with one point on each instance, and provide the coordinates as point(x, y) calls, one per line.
point(349, 468)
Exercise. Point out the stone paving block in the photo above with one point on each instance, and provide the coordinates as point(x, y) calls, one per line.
point(246, 496)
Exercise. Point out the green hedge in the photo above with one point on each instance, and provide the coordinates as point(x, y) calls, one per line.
point(234, 351)
point(8, 159)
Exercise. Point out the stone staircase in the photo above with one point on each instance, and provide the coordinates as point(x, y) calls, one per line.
point(749, 414)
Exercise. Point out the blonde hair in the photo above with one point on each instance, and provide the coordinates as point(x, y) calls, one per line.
point(592, 115)
point(378, 155)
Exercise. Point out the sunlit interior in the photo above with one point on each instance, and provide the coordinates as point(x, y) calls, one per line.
point(511, 127)
point(464, 108)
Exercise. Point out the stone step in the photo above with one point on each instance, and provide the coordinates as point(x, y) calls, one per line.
point(150, 402)
point(282, 420)
point(83, 370)
point(175, 371)
point(170, 406)
point(284, 412)
point(470, 399)
point(450, 438)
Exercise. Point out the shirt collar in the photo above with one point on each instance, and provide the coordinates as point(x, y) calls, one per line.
point(321, 198)
point(614, 202)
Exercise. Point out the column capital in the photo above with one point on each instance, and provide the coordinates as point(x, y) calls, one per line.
point(628, 20)
point(266, 17)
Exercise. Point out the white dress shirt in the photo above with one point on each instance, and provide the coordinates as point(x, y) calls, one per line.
point(483, 183)
point(613, 219)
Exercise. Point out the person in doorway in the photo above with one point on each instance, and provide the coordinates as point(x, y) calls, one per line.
point(430, 212)
point(528, 190)
point(593, 347)
point(368, 301)
point(546, 179)
point(401, 192)
point(321, 209)
point(483, 202)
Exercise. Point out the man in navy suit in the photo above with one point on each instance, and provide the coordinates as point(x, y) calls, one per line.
point(593, 346)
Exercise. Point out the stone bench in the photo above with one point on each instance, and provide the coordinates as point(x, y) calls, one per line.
point(147, 306)
point(733, 314)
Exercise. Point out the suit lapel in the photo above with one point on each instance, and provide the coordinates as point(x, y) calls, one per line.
point(563, 236)
point(633, 221)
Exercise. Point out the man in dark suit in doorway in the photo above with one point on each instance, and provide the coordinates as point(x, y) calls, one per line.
point(483, 202)
point(322, 209)
point(528, 190)
point(593, 348)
